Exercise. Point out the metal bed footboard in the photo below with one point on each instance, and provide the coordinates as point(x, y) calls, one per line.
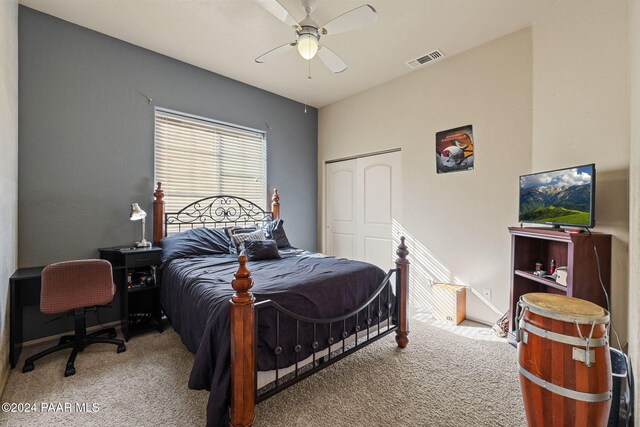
point(375, 313)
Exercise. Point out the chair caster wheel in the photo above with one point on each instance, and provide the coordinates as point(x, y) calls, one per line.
point(69, 371)
point(112, 335)
point(27, 368)
point(122, 348)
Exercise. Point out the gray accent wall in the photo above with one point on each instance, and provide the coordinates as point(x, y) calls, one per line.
point(86, 137)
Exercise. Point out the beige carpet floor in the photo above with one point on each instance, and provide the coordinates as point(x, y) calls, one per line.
point(443, 378)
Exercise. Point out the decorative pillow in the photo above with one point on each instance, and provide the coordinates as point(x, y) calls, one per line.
point(274, 230)
point(256, 250)
point(237, 240)
point(195, 242)
point(230, 231)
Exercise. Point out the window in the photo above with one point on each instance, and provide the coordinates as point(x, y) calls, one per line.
point(197, 157)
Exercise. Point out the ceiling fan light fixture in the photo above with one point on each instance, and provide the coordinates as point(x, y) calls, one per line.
point(307, 46)
point(309, 33)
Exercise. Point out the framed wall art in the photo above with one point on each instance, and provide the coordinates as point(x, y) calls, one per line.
point(455, 149)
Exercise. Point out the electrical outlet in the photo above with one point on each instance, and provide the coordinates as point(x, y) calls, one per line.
point(486, 293)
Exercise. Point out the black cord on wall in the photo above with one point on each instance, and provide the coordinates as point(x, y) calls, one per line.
point(604, 290)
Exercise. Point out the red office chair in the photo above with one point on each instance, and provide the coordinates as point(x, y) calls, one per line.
point(73, 287)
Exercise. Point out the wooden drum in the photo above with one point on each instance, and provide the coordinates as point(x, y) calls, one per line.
point(564, 361)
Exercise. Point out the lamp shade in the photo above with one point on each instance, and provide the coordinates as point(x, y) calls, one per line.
point(307, 46)
point(137, 213)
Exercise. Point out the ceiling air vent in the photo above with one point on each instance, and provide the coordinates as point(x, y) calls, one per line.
point(429, 57)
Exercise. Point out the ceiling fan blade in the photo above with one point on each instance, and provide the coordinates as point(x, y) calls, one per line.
point(352, 20)
point(331, 60)
point(273, 53)
point(277, 10)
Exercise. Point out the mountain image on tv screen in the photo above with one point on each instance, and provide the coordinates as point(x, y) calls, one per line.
point(560, 197)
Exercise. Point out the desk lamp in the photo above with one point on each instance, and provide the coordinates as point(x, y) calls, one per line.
point(136, 215)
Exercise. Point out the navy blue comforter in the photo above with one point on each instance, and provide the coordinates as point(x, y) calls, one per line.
point(195, 293)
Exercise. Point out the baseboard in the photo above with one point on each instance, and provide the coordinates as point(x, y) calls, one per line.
point(482, 322)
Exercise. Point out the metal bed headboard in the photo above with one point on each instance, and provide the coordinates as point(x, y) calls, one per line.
point(216, 212)
point(211, 212)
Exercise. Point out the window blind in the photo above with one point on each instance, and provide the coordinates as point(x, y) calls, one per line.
point(197, 158)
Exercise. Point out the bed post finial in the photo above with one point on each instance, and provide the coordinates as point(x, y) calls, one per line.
point(159, 230)
point(275, 204)
point(242, 282)
point(242, 310)
point(402, 281)
point(402, 250)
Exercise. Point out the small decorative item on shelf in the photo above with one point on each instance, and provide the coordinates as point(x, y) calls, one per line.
point(538, 266)
point(552, 266)
point(561, 276)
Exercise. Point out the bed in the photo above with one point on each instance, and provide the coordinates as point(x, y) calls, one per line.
point(255, 333)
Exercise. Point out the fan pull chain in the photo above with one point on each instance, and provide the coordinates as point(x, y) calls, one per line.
point(306, 92)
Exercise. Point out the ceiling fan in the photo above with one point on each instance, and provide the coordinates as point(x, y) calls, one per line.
point(308, 32)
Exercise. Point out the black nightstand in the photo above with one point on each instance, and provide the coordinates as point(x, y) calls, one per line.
point(134, 273)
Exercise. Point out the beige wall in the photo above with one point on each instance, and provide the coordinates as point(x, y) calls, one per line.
point(581, 115)
point(552, 96)
point(634, 229)
point(8, 168)
point(456, 223)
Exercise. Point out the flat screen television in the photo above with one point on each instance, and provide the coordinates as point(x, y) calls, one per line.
point(559, 197)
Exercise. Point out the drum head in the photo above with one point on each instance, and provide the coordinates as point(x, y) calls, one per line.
point(564, 308)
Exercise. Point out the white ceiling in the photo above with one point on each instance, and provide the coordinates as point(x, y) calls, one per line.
point(225, 36)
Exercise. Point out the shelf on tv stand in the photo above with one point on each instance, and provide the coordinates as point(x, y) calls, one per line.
point(543, 280)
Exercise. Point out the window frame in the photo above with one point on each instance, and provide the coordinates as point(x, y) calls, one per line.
point(166, 111)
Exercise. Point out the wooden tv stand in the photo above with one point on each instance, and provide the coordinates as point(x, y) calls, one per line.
point(573, 250)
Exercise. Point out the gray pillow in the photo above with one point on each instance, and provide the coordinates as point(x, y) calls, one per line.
point(256, 250)
point(274, 230)
point(196, 242)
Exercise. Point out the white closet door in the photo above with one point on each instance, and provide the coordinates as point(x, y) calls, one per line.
point(378, 203)
point(341, 212)
point(363, 199)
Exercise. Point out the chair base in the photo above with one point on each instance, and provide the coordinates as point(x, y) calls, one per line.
point(77, 343)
